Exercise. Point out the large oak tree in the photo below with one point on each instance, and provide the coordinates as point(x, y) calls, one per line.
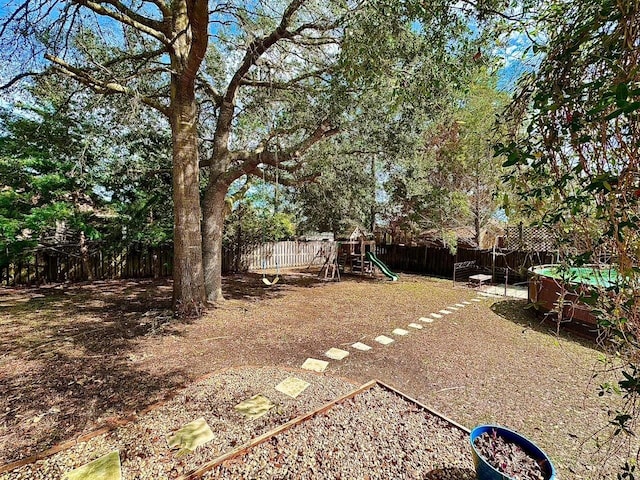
point(248, 89)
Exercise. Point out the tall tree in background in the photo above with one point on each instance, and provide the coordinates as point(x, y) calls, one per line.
point(576, 167)
point(48, 173)
point(480, 130)
point(451, 178)
point(150, 52)
point(74, 177)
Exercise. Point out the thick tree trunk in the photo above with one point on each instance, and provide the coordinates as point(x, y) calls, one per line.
point(188, 278)
point(212, 231)
point(84, 254)
point(476, 212)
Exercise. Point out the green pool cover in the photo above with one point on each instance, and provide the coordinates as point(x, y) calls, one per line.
point(600, 277)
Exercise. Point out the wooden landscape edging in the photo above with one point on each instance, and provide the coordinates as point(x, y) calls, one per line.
point(242, 449)
point(112, 424)
point(117, 422)
point(266, 436)
point(424, 407)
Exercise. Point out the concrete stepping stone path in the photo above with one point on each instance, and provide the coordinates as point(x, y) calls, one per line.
point(400, 331)
point(384, 340)
point(106, 467)
point(315, 365)
point(254, 407)
point(198, 432)
point(361, 346)
point(336, 354)
point(292, 386)
point(190, 437)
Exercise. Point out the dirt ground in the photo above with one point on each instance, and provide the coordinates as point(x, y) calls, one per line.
point(74, 356)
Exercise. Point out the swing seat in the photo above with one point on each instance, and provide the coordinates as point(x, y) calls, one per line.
point(268, 282)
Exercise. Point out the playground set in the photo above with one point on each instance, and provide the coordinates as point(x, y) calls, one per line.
point(354, 256)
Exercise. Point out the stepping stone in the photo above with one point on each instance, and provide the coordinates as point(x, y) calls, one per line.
point(400, 331)
point(453, 308)
point(466, 303)
point(417, 326)
point(436, 315)
point(315, 365)
point(292, 386)
point(361, 346)
point(428, 320)
point(254, 407)
point(189, 437)
point(106, 467)
point(446, 312)
point(476, 300)
point(336, 354)
point(384, 340)
point(459, 305)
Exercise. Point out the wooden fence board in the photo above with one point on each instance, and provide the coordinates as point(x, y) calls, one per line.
point(439, 261)
point(65, 263)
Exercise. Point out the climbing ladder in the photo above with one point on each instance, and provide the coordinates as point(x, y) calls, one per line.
point(331, 268)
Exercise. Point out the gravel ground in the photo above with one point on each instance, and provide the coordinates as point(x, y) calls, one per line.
point(375, 435)
point(143, 447)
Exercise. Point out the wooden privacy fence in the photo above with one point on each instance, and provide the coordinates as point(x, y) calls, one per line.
point(48, 265)
point(269, 255)
point(440, 261)
point(65, 264)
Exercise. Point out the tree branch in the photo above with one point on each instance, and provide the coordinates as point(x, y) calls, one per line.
point(19, 77)
point(162, 6)
point(285, 85)
point(210, 90)
point(324, 130)
point(100, 86)
point(258, 47)
point(251, 159)
point(126, 16)
point(198, 13)
point(254, 51)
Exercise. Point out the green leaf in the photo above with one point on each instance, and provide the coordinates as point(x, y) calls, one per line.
point(622, 93)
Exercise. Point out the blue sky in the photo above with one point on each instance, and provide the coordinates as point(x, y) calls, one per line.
point(517, 59)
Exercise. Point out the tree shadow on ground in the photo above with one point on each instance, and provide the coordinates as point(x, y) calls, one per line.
point(516, 312)
point(97, 316)
point(68, 359)
point(71, 354)
point(250, 286)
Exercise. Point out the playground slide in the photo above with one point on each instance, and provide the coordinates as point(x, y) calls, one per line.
point(383, 268)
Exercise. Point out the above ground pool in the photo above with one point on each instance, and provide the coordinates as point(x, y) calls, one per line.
point(549, 282)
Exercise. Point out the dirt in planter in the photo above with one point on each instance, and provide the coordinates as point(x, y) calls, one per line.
point(508, 457)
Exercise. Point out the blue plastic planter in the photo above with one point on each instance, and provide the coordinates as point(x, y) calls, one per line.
point(484, 471)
